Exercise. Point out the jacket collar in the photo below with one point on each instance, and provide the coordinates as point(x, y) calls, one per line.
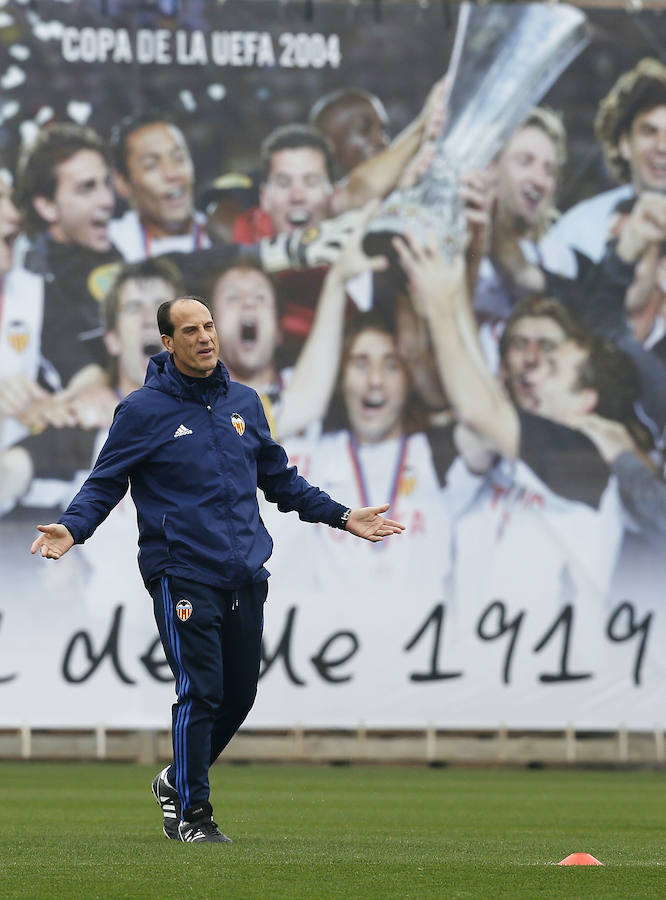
point(163, 375)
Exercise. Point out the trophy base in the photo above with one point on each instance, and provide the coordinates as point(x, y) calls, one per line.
point(380, 243)
point(431, 209)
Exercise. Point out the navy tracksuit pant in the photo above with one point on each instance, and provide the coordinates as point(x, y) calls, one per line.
point(212, 641)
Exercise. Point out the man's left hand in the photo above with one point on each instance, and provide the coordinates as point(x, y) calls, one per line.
point(368, 523)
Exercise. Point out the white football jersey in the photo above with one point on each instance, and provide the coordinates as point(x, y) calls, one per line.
point(135, 243)
point(519, 544)
point(375, 596)
point(586, 226)
point(21, 310)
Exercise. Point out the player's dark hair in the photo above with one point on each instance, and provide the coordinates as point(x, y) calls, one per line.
point(122, 131)
point(292, 137)
point(36, 171)
point(333, 100)
point(612, 373)
point(414, 415)
point(538, 306)
point(636, 91)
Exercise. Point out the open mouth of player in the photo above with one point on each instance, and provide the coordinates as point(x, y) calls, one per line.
point(298, 217)
point(371, 404)
point(533, 198)
point(176, 197)
point(658, 170)
point(100, 227)
point(248, 334)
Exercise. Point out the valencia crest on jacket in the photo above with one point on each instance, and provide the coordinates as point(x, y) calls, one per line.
point(238, 422)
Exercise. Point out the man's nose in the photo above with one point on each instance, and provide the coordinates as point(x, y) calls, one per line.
point(375, 376)
point(171, 169)
point(296, 190)
point(532, 355)
point(106, 197)
point(539, 177)
point(378, 138)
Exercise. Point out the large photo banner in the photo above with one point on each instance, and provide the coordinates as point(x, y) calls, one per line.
point(433, 240)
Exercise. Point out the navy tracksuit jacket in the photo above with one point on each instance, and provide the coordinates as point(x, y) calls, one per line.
point(195, 451)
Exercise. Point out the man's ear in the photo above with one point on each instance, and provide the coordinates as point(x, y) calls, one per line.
point(122, 186)
point(623, 147)
point(589, 399)
point(45, 209)
point(167, 342)
point(112, 343)
point(262, 195)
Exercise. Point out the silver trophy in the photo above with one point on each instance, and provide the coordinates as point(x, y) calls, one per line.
point(504, 59)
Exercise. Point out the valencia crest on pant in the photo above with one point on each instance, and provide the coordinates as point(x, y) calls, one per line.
point(238, 422)
point(183, 610)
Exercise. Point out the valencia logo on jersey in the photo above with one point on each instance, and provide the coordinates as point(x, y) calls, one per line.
point(238, 422)
point(183, 610)
point(407, 484)
point(101, 279)
point(18, 336)
point(310, 234)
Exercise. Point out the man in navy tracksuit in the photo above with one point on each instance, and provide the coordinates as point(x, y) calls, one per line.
point(195, 446)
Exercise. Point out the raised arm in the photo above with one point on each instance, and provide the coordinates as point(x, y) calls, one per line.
point(641, 238)
point(643, 227)
point(376, 176)
point(440, 290)
point(309, 391)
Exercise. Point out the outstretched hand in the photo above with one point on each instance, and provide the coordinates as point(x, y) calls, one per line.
point(54, 541)
point(367, 523)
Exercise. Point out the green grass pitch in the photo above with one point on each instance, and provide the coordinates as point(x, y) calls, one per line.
point(76, 830)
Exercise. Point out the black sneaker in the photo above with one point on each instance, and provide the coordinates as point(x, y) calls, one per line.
point(199, 826)
point(168, 799)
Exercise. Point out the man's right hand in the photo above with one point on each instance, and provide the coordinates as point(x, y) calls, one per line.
point(54, 541)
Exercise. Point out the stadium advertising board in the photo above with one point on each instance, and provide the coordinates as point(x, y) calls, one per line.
point(528, 589)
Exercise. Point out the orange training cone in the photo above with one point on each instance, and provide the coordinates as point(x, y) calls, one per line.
point(580, 859)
